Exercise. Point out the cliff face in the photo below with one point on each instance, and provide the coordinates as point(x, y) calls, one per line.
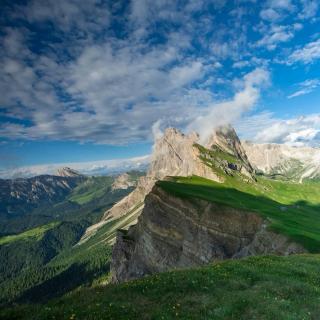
point(176, 233)
point(174, 154)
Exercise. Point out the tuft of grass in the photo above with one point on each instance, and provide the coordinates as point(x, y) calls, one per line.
point(264, 288)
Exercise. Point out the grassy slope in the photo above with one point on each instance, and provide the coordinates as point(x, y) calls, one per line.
point(74, 267)
point(91, 189)
point(293, 209)
point(253, 288)
point(35, 233)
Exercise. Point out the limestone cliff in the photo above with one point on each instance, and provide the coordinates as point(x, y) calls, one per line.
point(177, 233)
point(174, 154)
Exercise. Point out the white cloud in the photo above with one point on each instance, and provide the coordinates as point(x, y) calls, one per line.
point(307, 54)
point(276, 10)
point(305, 87)
point(265, 128)
point(309, 8)
point(228, 112)
point(241, 64)
point(270, 14)
point(276, 35)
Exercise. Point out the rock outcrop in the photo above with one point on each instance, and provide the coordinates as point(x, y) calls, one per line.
point(176, 233)
point(226, 139)
point(123, 181)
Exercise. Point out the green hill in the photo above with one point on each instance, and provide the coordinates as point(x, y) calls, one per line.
point(253, 288)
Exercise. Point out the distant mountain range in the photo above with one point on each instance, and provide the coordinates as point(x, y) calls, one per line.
point(41, 220)
point(92, 168)
point(283, 161)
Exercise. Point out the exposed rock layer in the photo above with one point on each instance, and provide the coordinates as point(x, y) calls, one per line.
point(175, 154)
point(177, 233)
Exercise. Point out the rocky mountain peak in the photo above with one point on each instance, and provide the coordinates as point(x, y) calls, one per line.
point(178, 154)
point(123, 181)
point(226, 139)
point(67, 172)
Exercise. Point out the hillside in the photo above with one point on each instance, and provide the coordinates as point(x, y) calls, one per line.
point(263, 288)
point(45, 255)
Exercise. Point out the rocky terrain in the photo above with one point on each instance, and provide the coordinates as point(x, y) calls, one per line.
point(123, 181)
point(177, 154)
point(19, 196)
point(68, 172)
point(177, 233)
point(293, 163)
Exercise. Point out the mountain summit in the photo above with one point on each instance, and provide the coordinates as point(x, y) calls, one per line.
point(67, 172)
point(178, 154)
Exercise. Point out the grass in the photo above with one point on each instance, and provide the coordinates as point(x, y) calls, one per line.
point(91, 189)
point(34, 234)
point(265, 287)
point(293, 209)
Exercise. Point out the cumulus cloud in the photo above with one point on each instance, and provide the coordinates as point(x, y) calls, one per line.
point(309, 9)
point(307, 54)
point(265, 128)
point(118, 72)
point(229, 111)
point(277, 34)
point(276, 10)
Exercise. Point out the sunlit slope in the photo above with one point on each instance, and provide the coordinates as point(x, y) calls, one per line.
point(292, 209)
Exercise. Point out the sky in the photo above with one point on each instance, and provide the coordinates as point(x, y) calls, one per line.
point(85, 81)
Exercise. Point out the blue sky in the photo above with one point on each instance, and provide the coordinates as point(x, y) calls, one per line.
point(94, 80)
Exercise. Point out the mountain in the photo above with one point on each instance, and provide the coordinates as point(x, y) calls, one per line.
point(197, 205)
point(181, 232)
point(177, 154)
point(283, 161)
point(19, 197)
point(38, 253)
point(206, 204)
point(68, 172)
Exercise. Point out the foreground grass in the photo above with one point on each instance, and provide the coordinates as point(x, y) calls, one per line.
point(293, 209)
point(266, 287)
point(35, 234)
